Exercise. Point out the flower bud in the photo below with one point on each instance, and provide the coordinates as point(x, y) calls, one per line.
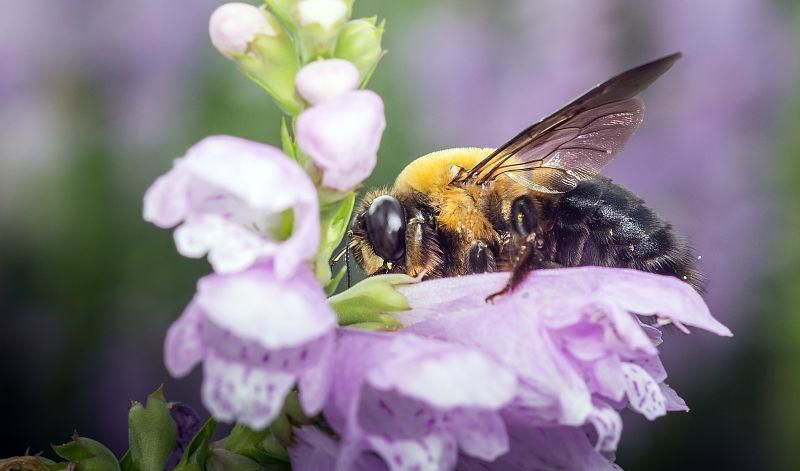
point(319, 22)
point(253, 38)
point(360, 43)
point(342, 136)
point(234, 26)
point(326, 79)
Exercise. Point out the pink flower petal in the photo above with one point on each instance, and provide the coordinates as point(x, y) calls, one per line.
point(644, 394)
point(234, 391)
point(342, 136)
point(323, 80)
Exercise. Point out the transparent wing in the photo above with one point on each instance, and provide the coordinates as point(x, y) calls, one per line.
point(577, 141)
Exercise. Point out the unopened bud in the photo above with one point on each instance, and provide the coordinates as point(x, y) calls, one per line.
point(253, 38)
point(326, 13)
point(325, 79)
point(234, 26)
point(319, 22)
point(360, 43)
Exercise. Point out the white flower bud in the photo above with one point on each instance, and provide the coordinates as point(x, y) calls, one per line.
point(325, 79)
point(326, 13)
point(234, 26)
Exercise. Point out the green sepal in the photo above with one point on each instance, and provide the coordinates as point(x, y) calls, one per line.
point(334, 218)
point(370, 301)
point(87, 454)
point(196, 454)
point(220, 459)
point(272, 63)
point(360, 43)
point(126, 462)
point(282, 9)
point(282, 430)
point(151, 433)
point(243, 440)
point(287, 143)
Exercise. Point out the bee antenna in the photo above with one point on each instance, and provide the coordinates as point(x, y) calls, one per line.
point(347, 258)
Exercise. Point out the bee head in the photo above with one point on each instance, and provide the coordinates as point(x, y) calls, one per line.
point(378, 232)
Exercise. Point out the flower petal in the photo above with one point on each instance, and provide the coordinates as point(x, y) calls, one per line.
point(256, 305)
point(644, 394)
point(608, 426)
point(326, 79)
point(544, 448)
point(342, 136)
point(315, 382)
point(432, 453)
point(234, 391)
point(481, 434)
point(444, 375)
point(183, 348)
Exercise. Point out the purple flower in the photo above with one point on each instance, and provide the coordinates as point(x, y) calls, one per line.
point(257, 335)
point(416, 401)
point(537, 377)
point(239, 202)
point(326, 79)
point(342, 136)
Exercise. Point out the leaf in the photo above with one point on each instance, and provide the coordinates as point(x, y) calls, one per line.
point(151, 433)
point(331, 286)
point(196, 454)
point(87, 454)
point(334, 220)
point(287, 143)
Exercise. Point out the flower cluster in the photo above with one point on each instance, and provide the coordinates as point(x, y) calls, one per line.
point(260, 324)
point(392, 373)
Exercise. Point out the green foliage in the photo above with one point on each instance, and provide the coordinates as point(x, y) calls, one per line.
point(151, 433)
point(87, 455)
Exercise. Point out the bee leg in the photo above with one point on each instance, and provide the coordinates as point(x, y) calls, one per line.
point(480, 258)
point(529, 258)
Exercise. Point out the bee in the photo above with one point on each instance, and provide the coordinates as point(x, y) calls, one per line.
point(538, 201)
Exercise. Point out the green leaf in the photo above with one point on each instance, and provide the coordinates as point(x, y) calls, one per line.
point(126, 462)
point(331, 286)
point(221, 459)
point(195, 456)
point(151, 433)
point(87, 454)
point(243, 439)
point(370, 300)
point(287, 143)
point(334, 219)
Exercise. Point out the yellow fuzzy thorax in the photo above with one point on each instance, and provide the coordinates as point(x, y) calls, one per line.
point(459, 211)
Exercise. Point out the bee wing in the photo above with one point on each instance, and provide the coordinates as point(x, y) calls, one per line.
point(577, 141)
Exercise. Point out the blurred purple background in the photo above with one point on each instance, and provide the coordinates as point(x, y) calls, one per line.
point(97, 97)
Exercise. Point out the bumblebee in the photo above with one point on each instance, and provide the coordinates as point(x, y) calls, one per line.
point(535, 202)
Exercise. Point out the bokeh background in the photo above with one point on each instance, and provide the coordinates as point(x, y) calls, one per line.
point(98, 96)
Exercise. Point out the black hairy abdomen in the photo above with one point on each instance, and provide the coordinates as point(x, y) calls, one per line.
point(601, 223)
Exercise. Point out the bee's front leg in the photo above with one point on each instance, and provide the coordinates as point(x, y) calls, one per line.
point(529, 253)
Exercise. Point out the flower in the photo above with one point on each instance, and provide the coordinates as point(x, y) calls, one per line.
point(415, 401)
point(342, 136)
point(539, 376)
point(239, 202)
point(233, 26)
point(257, 334)
point(325, 79)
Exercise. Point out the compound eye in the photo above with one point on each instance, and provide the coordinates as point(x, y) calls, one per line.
point(386, 228)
